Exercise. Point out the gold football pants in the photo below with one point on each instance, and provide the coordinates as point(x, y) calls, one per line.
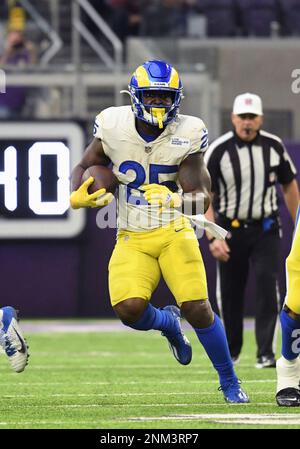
point(140, 258)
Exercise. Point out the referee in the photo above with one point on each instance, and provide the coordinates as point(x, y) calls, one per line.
point(245, 164)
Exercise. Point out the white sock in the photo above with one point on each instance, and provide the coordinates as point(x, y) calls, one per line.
point(288, 373)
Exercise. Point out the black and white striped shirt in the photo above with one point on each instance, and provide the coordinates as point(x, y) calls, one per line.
point(244, 174)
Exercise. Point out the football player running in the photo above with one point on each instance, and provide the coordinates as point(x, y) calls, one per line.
point(157, 154)
point(12, 341)
point(288, 365)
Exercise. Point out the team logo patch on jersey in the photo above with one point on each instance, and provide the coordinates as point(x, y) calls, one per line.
point(180, 142)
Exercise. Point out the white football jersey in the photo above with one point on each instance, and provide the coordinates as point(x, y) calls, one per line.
point(137, 162)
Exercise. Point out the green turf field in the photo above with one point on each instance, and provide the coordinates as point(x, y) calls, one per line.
point(127, 380)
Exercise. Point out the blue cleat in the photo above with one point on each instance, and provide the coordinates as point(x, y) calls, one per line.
point(233, 394)
point(11, 339)
point(178, 343)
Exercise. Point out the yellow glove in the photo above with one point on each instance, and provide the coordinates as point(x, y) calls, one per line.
point(161, 196)
point(82, 198)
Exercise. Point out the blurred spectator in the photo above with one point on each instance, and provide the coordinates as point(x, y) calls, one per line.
point(3, 21)
point(135, 17)
point(18, 50)
point(259, 17)
point(18, 53)
point(290, 17)
point(221, 17)
point(218, 18)
point(124, 17)
point(162, 18)
point(102, 8)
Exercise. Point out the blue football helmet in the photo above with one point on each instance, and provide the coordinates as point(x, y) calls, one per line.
point(155, 76)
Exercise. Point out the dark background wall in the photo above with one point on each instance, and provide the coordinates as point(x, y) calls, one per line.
point(68, 278)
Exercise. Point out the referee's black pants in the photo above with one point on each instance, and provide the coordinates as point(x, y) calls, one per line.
point(250, 244)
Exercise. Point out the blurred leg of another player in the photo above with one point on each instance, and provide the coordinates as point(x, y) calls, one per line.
point(288, 365)
point(12, 340)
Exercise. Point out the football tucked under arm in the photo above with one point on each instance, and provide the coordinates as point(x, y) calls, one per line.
point(97, 188)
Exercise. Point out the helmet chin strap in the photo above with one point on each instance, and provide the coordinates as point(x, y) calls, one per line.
point(158, 113)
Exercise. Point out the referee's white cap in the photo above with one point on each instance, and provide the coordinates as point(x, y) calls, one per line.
point(247, 104)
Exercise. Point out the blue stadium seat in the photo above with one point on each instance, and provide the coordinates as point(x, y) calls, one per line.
point(290, 17)
point(220, 16)
point(258, 17)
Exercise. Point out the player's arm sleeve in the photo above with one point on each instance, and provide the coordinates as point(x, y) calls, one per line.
point(286, 170)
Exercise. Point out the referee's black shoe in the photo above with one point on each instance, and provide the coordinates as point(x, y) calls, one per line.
point(265, 362)
point(288, 397)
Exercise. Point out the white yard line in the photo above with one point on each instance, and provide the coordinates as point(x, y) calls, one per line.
point(20, 423)
point(82, 395)
point(252, 419)
point(134, 405)
point(193, 369)
point(83, 326)
point(230, 418)
point(145, 382)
